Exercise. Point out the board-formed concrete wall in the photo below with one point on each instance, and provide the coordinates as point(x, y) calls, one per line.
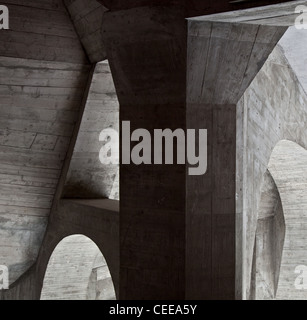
point(43, 75)
point(47, 83)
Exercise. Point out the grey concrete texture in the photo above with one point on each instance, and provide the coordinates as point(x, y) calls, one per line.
point(43, 96)
point(288, 167)
point(95, 219)
point(270, 106)
point(87, 177)
point(87, 17)
point(272, 109)
point(174, 236)
point(43, 75)
point(269, 242)
point(146, 49)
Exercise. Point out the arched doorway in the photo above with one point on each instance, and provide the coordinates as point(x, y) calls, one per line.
point(77, 270)
point(280, 240)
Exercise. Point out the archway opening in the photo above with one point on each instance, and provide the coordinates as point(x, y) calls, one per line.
point(269, 241)
point(77, 270)
point(281, 226)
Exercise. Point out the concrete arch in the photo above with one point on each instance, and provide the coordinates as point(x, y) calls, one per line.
point(95, 219)
point(269, 241)
point(77, 270)
point(288, 166)
point(281, 223)
point(266, 114)
point(101, 226)
point(101, 285)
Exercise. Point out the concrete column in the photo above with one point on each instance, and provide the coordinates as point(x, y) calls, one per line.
point(223, 59)
point(178, 232)
point(147, 54)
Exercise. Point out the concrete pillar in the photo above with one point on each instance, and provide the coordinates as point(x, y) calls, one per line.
point(223, 59)
point(147, 54)
point(178, 232)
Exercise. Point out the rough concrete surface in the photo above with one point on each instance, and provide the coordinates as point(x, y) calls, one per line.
point(238, 231)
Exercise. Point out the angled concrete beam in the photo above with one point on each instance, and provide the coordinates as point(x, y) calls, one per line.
point(87, 18)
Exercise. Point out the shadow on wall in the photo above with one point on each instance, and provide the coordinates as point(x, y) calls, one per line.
point(280, 241)
point(77, 270)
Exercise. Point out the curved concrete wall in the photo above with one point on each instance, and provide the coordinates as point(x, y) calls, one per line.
point(269, 241)
point(288, 166)
point(272, 109)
